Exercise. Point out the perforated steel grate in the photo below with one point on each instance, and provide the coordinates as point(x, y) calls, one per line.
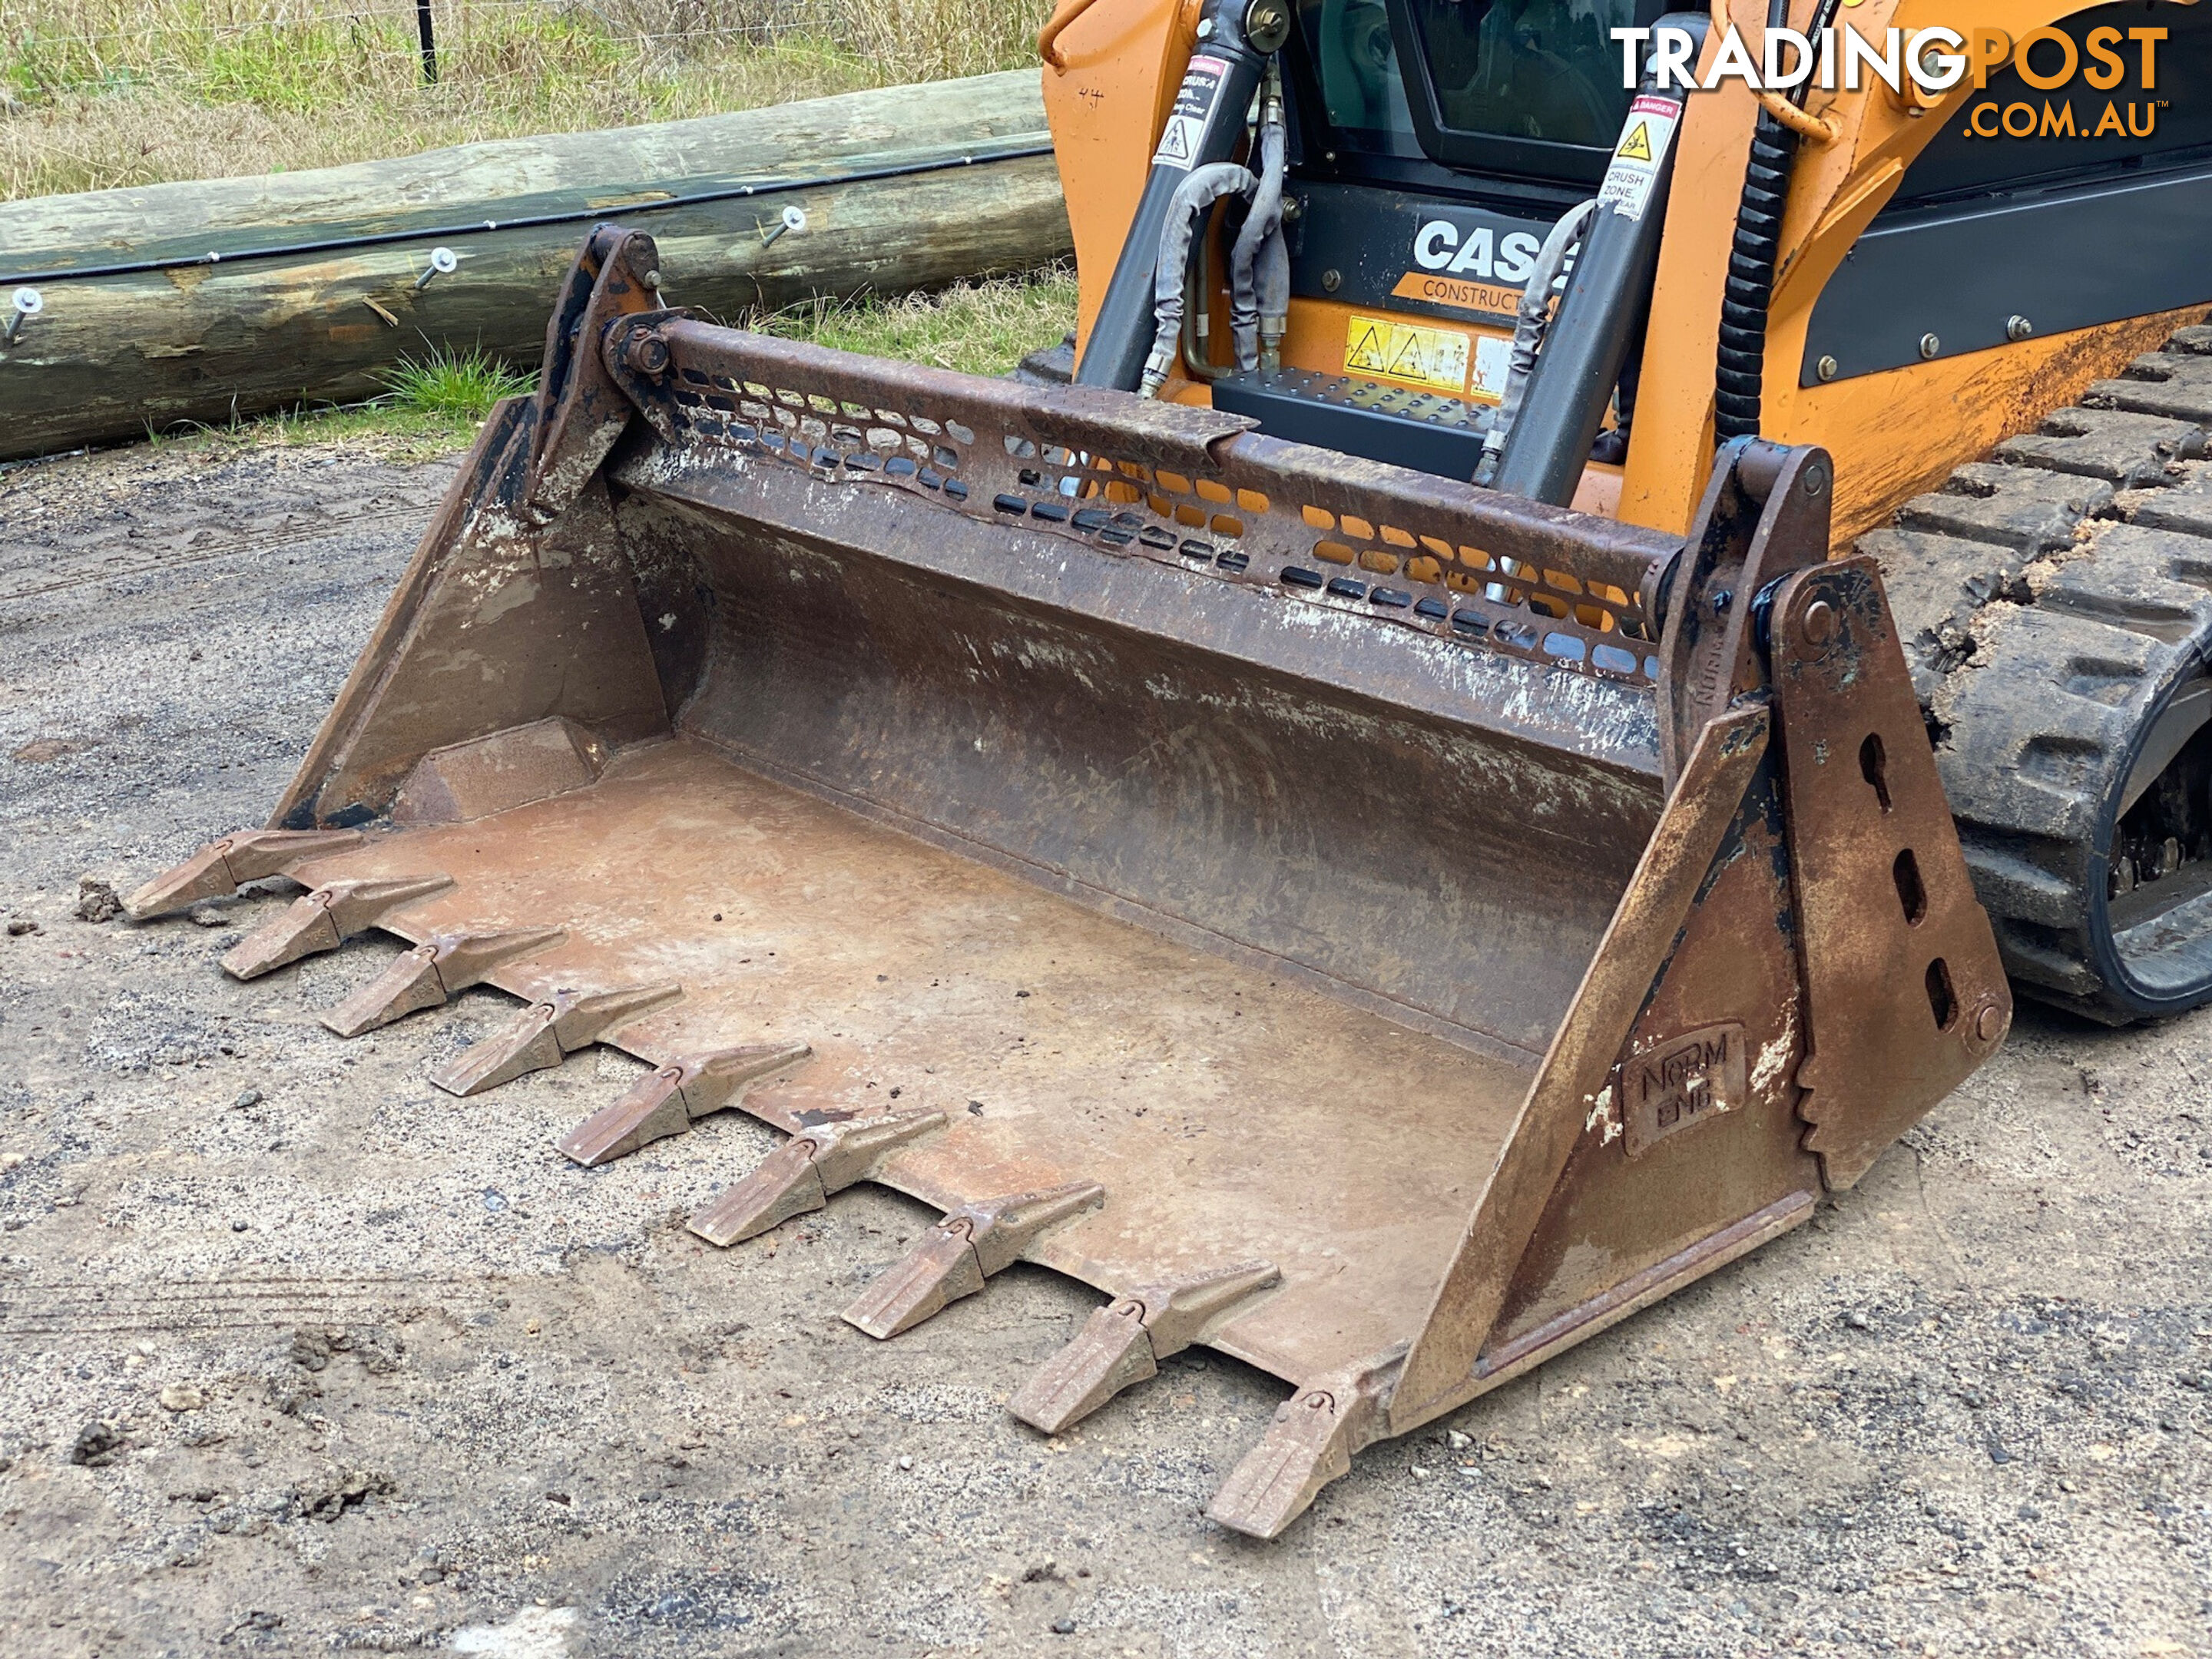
point(1236, 518)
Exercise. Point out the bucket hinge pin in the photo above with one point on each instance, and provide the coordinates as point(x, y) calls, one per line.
point(799, 1175)
point(960, 1252)
point(1121, 1343)
point(326, 919)
point(676, 1096)
point(539, 1036)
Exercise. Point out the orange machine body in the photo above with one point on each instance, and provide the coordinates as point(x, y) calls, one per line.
point(1892, 433)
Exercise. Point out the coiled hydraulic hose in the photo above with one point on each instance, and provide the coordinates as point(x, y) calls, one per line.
point(1739, 380)
point(1198, 192)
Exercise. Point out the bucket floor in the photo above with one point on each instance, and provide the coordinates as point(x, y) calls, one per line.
point(1231, 1115)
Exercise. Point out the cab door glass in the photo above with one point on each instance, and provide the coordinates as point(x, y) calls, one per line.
point(1356, 61)
point(1547, 70)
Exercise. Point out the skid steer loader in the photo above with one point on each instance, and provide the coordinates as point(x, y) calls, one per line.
point(1384, 927)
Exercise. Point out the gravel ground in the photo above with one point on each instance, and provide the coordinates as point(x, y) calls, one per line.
point(298, 1355)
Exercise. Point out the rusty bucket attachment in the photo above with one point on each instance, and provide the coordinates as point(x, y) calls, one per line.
point(1383, 930)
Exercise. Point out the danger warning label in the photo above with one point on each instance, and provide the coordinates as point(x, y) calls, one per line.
point(1633, 173)
point(1432, 357)
point(1184, 134)
point(1178, 143)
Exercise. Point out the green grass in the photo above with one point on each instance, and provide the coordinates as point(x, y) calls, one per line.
point(979, 328)
point(95, 93)
point(456, 387)
point(434, 404)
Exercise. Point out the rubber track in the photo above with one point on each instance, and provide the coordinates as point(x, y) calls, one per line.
point(2051, 597)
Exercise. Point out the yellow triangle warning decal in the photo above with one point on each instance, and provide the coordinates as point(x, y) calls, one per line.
point(1637, 147)
point(1408, 362)
point(1367, 353)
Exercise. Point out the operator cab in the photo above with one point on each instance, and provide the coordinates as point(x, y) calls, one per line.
point(1433, 144)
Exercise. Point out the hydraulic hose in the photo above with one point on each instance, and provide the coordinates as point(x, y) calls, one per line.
point(1207, 122)
point(1530, 320)
point(1263, 227)
point(1196, 194)
point(1197, 317)
point(1738, 381)
point(1274, 283)
point(1607, 300)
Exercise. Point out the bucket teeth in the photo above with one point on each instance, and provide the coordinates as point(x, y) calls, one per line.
point(960, 1252)
point(325, 920)
point(222, 867)
point(1310, 1444)
point(676, 1096)
point(1111, 1352)
point(941, 1269)
point(538, 1038)
point(1122, 1343)
point(407, 985)
point(800, 1175)
point(525, 1044)
point(438, 969)
point(783, 1184)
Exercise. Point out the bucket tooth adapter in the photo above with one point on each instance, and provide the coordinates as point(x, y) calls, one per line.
point(222, 867)
point(546, 1033)
point(1121, 1345)
point(960, 1252)
point(675, 1097)
point(823, 1156)
point(1477, 919)
point(432, 974)
point(325, 920)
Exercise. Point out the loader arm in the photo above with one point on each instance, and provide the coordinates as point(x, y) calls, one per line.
point(1380, 928)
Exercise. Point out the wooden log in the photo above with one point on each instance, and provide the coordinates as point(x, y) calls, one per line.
point(116, 356)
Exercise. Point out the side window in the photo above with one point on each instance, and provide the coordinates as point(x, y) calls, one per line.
point(1547, 70)
point(1356, 61)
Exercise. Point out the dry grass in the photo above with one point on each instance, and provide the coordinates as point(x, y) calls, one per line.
point(95, 93)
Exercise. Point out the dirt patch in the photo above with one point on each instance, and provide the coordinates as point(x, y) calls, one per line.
point(48, 749)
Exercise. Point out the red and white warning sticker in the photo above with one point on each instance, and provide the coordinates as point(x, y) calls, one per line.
point(1634, 169)
point(1186, 124)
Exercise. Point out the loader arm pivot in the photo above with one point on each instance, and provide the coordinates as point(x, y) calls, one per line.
point(1380, 928)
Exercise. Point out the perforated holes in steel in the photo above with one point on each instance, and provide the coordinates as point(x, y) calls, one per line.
point(1235, 528)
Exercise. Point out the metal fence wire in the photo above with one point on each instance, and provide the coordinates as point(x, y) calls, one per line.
point(299, 55)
